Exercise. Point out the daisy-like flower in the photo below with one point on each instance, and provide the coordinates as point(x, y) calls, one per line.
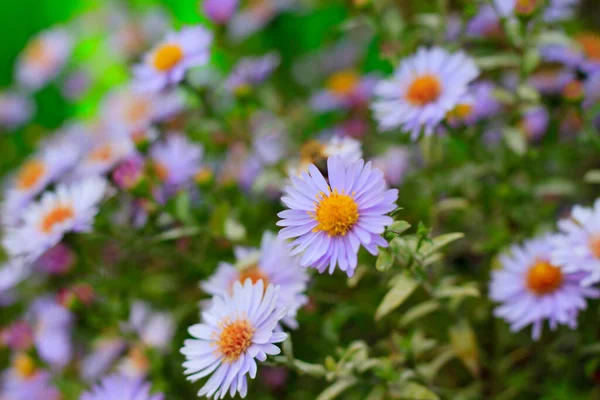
point(15, 109)
point(250, 72)
point(167, 62)
point(423, 90)
point(265, 264)
point(121, 387)
point(255, 16)
point(43, 58)
point(533, 289)
point(317, 151)
point(331, 220)
point(577, 246)
point(104, 353)
point(25, 381)
point(220, 11)
point(70, 208)
point(154, 328)
point(176, 160)
point(237, 329)
point(103, 155)
point(394, 163)
point(343, 90)
point(130, 112)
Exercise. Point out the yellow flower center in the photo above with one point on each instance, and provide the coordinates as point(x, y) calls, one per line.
point(544, 278)
point(235, 339)
point(594, 244)
point(311, 151)
point(423, 90)
point(101, 154)
point(590, 42)
point(24, 365)
point(525, 7)
point(57, 216)
point(30, 173)
point(167, 56)
point(460, 112)
point(343, 83)
point(335, 212)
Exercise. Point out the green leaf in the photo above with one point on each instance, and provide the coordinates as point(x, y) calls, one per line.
point(415, 391)
point(592, 176)
point(401, 290)
point(439, 242)
point(419, 311)
point(467, 290)
point(385, 260)
point(397, 227)
point(498, 61)
point(464, 344)
point(515, 140)
point(337, 388)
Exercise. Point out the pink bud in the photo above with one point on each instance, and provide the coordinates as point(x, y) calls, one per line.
point(219, 11)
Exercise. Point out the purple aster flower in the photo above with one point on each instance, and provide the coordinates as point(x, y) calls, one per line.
point(154, 328)
point(17, 336)
point(167, 63)
point(52, 324)
point(535, 122)
point(592, 90)
point(265, 264)
point(484, 24)
point(129, 172)
point(121, 387)
point(176, 160)
point(255, 16)
point(236, 330)
point(577, 246)
point(394, 163)
point(219, 11)
point(331, 220)
point(251, 71)
point(15, 109)
point(25, 381)
point(532, 289)
point(424, 88)
point(104, 353)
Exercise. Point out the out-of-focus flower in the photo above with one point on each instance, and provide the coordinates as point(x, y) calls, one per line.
point(15, 109)
point(70, 208)
point(334, 219)
point(483, 105)
point(484, 24)
point(52, 324)
point(57, 260)
point(343, 90)
point(250, 72)
point(265, 264)
point(167, 62)
point(219, 11)
point(269, 138)
point(592, 90)
point(424, 88)
point(577, 246)
point(17, 336)
point(102, 156)
point(532, 289)
point(317, 151)
point(129, 112)
point(43, 58)
point(121, 387)
point(559, 10)
point(76, 85)
point(176, 160)
point(394, 163)
point(155, 329)
point(255, 16)
point(237, 329)
point(132, 34)
point(535, 122)
point(129, 172)
point(104, 353)
point(11, 274)
point(25, 381)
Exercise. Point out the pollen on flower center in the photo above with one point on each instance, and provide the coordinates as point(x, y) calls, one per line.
point(343, 83)
point(423, 90)
point(544, 278)
point(167, 56)
point(335, 212)
point(58, 215)
point(235, 339)
point(594, 244)
point(30, 174)
point(24, 365)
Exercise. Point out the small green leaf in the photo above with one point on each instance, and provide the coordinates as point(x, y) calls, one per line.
point(337, 388)
point(385, 260)
point(397, 227)
point(439, 242)
point(467, 290)
point(515, 140)
point(592, 176)
point(401, 290)
point(464, 344)
point(419, 311)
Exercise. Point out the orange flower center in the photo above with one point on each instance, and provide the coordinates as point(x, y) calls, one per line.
point(594, 244)
point(167, 56)
point(101, 154)
point(58, 215)
point(137, 110)
point(161, 171)
point(573, 90)
point(36, 52)
point(423, 90)
point(235, 339)
point(335, 212)
point(24, 365)
point(525, 7)
point(255, 273)
point(544, 278)
point(590, 42)
point(30, 173)
point(460, 112)
point(343, 83)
